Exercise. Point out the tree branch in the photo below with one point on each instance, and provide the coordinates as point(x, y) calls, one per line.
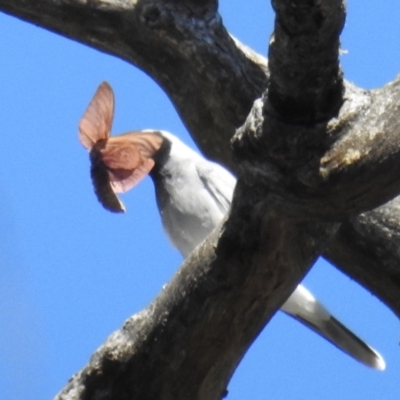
point(289, 175)
point(173, 44)
point(332, 170)
point(335, 171)
point(188, 342)
point(367, 249)
point(306, 82)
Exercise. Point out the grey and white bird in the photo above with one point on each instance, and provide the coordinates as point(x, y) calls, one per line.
point(193, 195)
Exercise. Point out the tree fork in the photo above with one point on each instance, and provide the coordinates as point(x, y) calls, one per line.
point(307, 168)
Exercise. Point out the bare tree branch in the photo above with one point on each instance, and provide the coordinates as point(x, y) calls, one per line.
point(307, 158)
point(174, 45)
point(328, 170)
point(188, 342)
point(306, 82)
point(352, 168)
point(370, 243)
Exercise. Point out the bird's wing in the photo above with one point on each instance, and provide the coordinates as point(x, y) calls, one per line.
point(218, 182)
point(304, 307)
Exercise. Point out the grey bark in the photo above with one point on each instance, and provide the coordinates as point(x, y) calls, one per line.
point(314, 156)
point(370, 242)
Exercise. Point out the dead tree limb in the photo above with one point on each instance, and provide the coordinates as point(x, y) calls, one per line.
point(313, 153)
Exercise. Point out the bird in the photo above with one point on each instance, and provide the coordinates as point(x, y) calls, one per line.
point(193, 195)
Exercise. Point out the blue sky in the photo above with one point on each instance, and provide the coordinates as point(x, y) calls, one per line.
point(71, 273)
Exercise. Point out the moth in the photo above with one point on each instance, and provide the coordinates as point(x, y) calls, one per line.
point(116, 163)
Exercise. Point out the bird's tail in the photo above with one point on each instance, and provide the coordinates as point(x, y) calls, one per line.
point(304, 307)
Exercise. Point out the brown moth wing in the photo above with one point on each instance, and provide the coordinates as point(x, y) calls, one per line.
point(148, 141)
point(122, 182)
point(102, 186)
point(95, 124)
point(129, 158)
point(120, 153)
